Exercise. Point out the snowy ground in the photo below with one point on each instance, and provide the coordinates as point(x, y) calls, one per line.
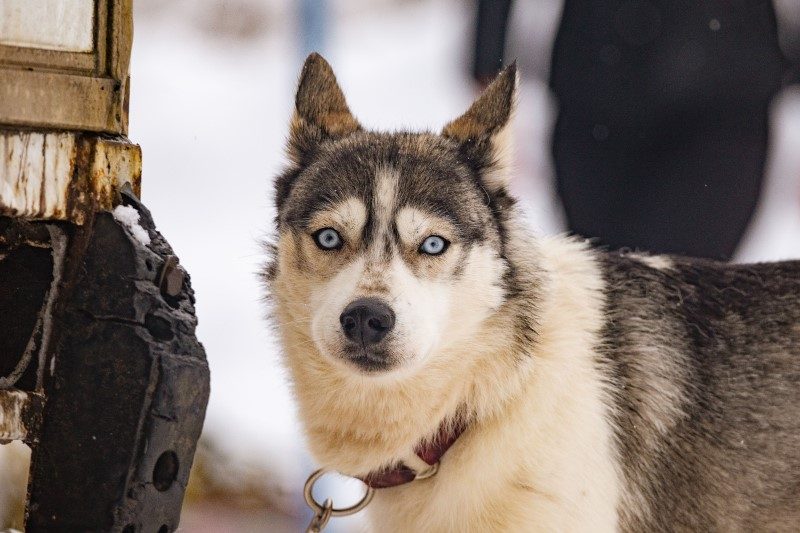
point(211, 95)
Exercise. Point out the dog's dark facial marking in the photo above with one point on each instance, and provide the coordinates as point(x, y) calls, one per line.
point(428, 174)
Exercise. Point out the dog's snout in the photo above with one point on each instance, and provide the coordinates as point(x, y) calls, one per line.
point(367, 321)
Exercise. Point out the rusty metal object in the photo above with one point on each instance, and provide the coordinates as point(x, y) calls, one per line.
point(110, 382)
point(126, 389)
point(170, 280)
point(63, 175)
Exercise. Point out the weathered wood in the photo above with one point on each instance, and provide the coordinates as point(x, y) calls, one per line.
point(62, 101)
point(62, 176)
point(77, 84)
point(121, 29)
point(72, 62)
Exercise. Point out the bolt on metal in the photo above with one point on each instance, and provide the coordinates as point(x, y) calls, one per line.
point(170, 279)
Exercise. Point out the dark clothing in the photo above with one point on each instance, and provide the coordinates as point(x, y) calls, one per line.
point(662, 129)
point(490, 38)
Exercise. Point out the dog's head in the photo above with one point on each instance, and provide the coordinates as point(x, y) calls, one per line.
point(391, 246)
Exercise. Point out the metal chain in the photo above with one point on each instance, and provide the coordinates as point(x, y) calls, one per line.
point(320, 519)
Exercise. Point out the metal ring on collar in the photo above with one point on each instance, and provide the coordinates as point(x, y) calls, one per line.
point(428, 472)
point(318, 508)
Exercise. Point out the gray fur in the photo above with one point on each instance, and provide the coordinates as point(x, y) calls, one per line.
point(703, 362)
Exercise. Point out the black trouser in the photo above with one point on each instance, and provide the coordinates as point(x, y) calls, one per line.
point(661, 136)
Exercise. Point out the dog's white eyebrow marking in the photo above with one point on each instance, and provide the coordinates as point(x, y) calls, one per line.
point(348, 216)
point(414, 223)
point(384, 202)
point(353, 213)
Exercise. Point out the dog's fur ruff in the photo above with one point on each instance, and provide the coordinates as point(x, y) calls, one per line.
point(602, 391)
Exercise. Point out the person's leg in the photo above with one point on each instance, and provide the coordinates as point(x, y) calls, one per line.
point(661, 137)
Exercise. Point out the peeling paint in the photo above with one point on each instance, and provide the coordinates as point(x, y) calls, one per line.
point(36, 167)
point(61, 176)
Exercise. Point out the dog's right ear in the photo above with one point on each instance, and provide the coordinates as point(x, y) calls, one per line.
point(320, 111)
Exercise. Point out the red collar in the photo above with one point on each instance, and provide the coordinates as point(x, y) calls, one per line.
point(430, 452)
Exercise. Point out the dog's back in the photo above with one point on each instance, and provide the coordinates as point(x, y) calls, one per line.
point(703, 361)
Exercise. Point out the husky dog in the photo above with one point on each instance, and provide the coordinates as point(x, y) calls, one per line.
point(579, 390)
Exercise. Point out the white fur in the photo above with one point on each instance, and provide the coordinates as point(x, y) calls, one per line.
point(659, 262)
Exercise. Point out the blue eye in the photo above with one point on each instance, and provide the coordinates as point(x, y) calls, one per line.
point(434, 245)
point(328, 239)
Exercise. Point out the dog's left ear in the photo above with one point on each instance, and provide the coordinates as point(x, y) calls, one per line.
point(320, 111)
point(483, 131)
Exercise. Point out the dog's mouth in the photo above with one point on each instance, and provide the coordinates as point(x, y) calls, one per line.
point(370, 360)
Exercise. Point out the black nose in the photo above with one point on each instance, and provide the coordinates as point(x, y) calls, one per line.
point(367, 321)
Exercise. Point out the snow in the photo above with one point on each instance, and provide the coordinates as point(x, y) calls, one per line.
point(129, 217)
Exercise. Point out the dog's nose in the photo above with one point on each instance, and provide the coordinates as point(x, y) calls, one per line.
point(367, 321)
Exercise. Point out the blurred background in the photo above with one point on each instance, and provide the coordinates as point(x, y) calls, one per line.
point(212, 93)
